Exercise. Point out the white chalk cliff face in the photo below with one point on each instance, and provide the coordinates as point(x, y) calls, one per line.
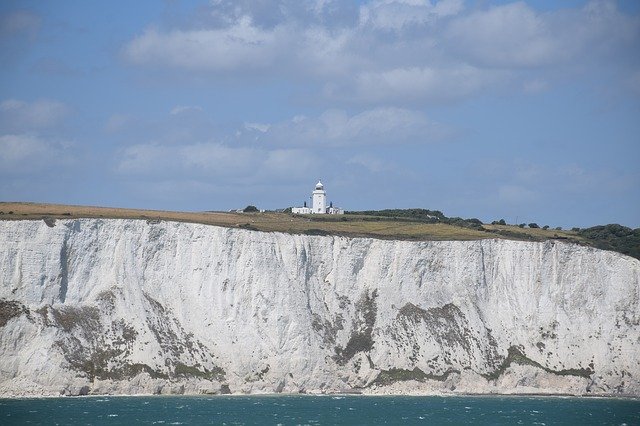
point(126, 306)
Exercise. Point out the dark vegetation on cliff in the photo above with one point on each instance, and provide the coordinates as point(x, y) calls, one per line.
point(614, 237)
point(402, 224)
point(422, 215)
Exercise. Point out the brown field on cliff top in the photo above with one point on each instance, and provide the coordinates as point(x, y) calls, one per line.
point(346, 225)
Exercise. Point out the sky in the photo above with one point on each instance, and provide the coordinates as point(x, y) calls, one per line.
point(522, 110)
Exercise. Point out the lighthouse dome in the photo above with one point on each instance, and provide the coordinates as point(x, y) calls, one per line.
point(319, 185)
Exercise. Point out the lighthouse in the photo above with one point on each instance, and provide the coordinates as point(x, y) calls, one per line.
point(318, 203)
point(319, 197)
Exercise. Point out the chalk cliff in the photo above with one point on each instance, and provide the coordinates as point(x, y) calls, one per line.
point(127, 306)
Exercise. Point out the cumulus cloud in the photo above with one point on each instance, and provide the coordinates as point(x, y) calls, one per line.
point(401, 14)
point(183, 109)
point(213, 160)
point(260, 127)
point(325, 52)
point(23, 148)
point(517, 36)
point(17, 115)
point(371, 163)
point(335, 128)
point(238, 45)
point(393, 51)
point(509, 35)
point(289, 164)
point(269, 13)
point(23, 153)
point(436, 84)
point(207, 159)
point(283, 150)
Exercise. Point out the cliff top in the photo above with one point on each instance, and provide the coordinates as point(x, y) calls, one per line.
point(409, 224)
point(353, 225)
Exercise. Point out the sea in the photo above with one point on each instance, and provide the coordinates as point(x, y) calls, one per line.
point(320, 410)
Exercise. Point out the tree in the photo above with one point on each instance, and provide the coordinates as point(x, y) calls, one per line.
point(502, 222)
point(522, 225)
point(614, 237)
point(533, 225)
point(250, 209)
point(545, 227)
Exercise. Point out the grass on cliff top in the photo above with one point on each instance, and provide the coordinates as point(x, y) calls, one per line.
point(352, 225)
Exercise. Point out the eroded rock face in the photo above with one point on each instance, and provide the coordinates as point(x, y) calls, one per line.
point(123, 306)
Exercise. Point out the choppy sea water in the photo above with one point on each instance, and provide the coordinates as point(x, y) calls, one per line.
point(319, 410)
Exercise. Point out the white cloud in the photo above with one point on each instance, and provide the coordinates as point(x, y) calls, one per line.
point(321, 51)
point(509, 35)
point(379, 126)
point(257, 126)
point(239, 45)
point(289, 163)
point(268, 13)
point(214, 160)
point(396, 51)
point(295, 148)
point(16, 148)
point(371, 163)
point(516, 36)
point(22, 153)
point(217, 159)
point(16, 115)
point(400, 14)
point(435, 84)
point(183, 109)
point(22, 148)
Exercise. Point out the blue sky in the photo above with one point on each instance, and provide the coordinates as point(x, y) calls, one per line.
point(526, 111)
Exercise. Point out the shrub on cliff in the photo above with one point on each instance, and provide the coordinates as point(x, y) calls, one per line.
point(614, 237)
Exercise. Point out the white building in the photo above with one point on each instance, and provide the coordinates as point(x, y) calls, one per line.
point(319, 203)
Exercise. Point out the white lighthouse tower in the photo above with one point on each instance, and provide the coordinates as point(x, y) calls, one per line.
point(319, 197)
point(318, 203)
